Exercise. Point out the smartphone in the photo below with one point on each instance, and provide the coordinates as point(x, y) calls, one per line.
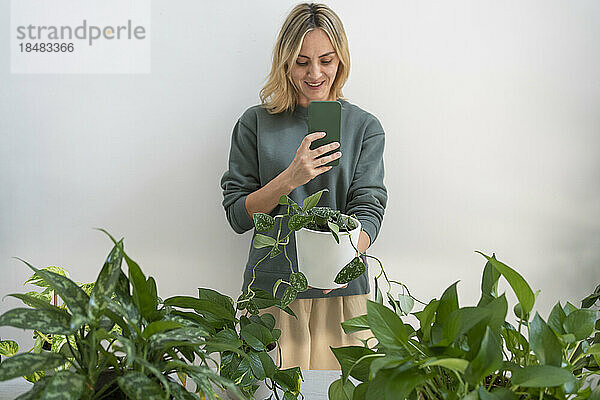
point(326, 116)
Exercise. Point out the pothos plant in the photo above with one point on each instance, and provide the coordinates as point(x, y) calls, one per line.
point(152, 343)
point(242, 342)
point(297, 217)
point(42, 341)
point(473, 352)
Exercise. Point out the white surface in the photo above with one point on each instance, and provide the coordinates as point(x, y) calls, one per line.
point(13, 388)
point(314, 387)
point(491, 117)
point(320, 257)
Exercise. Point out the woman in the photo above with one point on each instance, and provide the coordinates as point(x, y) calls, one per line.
point(270, 156)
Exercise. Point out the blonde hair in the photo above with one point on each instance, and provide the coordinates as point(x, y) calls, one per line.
point(279, 93)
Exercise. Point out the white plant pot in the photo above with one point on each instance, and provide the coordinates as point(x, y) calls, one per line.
point(320, 257)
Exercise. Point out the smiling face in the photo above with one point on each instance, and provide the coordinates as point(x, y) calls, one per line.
point(315, 69)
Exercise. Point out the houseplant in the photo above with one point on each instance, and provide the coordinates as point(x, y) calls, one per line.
point(152, 342)
point(472, 352)
point(242, 343)
point(299, 217)
point(42, 340)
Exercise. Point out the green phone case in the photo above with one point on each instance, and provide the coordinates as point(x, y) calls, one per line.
point(326, 116)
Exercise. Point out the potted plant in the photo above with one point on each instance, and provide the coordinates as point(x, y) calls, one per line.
point(242, 342)
point(152, 343)
point(340, 255)
point(472, 352)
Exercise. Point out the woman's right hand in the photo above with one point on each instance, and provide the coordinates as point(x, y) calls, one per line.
point(305, 165)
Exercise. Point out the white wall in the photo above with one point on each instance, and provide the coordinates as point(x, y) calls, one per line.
point(490, 110)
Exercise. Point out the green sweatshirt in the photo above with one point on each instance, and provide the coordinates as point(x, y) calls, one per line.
point(263, 145)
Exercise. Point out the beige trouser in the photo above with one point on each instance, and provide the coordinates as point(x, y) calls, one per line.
point(305, 341)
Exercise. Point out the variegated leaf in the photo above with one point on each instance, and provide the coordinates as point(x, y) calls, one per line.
point(139, 387)
point(73, 296)
point(289, 295)
point(298, 281)
point(312, 200)
point(180, 393)
point(351, 271)
point(263, 222)
point(107, 280)
point(8, 348)
point(38, 280)
point(261, 241)
point(36, 300)
point(181, 336)
point(298, 222)
point(28, 363)
point(64, 385)
point(50, 322)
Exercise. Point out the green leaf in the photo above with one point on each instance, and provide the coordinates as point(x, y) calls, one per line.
point(51, 322)
point(298, 281)
point(28, 363)
point(463, 319)
point(391, 384)
point(541, 376)
point(348, 356)
point(142, 294)
point(360, 392)
point(289, 379)
point(202, 306)
point(260, 241)
point(569, 308)
point(256, 336)
point(37, 301)
point(341, 389)
point(447, 304)
point(487, 360)
point(256, 365)
point(580, 323)
point(557, 318)
point(289, 295)
point(520, 313)
point(386, 325)
point(267, 364)
point(426, 318)
point(139, 387)
point(351, 271)
point(159, 326)
point(39, 281)
point(69, 291)
point(356, 324)
point(275, 251)
point(107, 281)
point(180, 393)
point(213, 296)
point(8, 348)
point(544, 342)
point(65, 385)
point(594, 349)
point(263, 222)
point(406, 303)
point(591, 299)
point(312, 200)
point(285, 200)
point(189, 336)
point(489, 284)
point(335, 231)
point(496, 394)
point(455, 364)
point(298, 222)
point(516, 281)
